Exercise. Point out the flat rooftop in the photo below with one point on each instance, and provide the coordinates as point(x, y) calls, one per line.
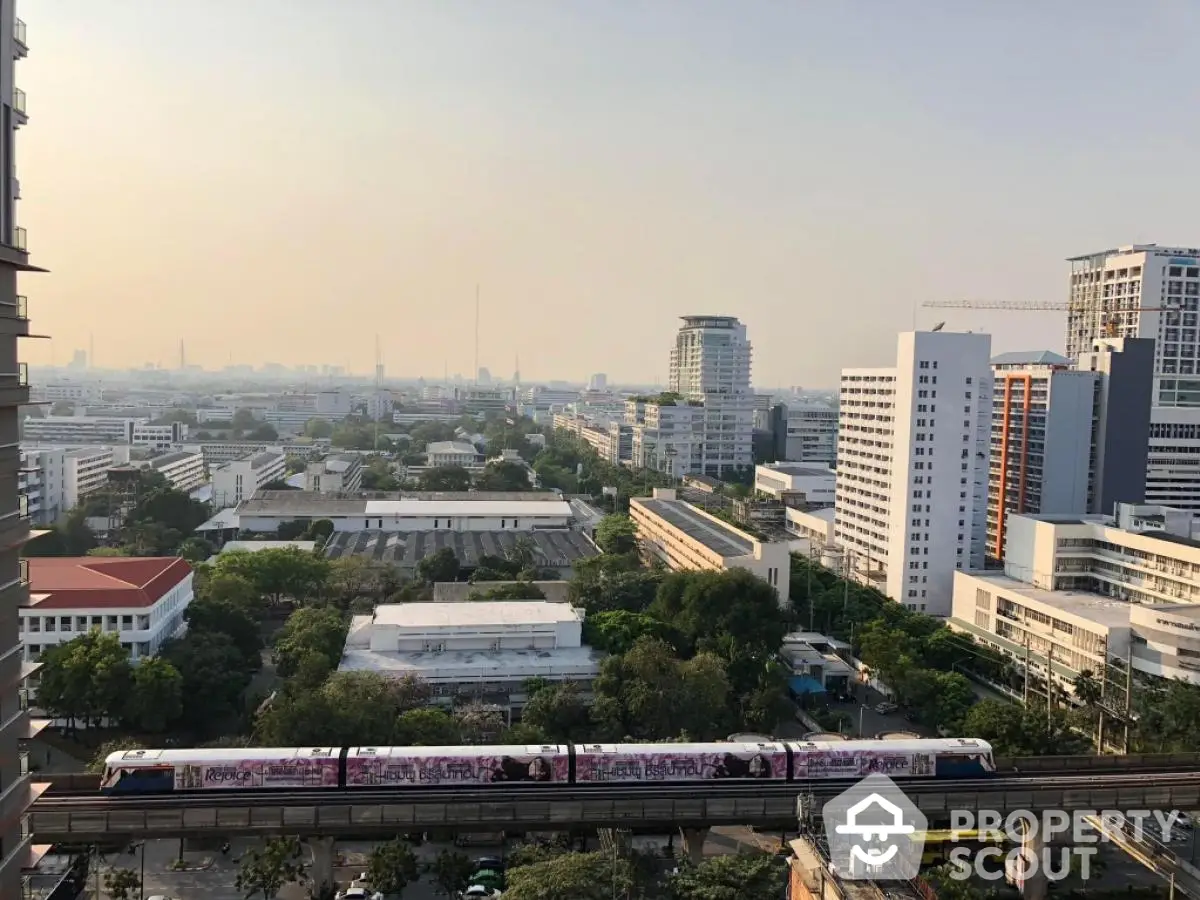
point(558, 548)
point(800, 470)
point(716, 536)
point(465, 503)
point(477, 666)
point(1101, 610)
point(496, 612)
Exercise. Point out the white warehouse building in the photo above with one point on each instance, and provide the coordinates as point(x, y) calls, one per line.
point(486, 649)
point(451, 511)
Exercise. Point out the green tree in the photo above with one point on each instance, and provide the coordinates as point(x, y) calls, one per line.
point(210, 615)
point(516, 590)
point(617, 631)
point(108, 552)
point(743, 877)
point(571, 876)
point(656, 695)
point(264, 432)
point(558, 711)
point(156, 698)
point(214, 675)
point(504, 476)
point(310, 630)
point(267, 868)
point(427, 728)
point(441, 565)
point(450, 871)
point(219, 586)
point(86, 678)
point(1087, 688)
point(174, 510)
point(320, 530)
point(348, 708)
point(391, 867)
point(122, 884)
point(278, 573)
point(70, 537)
point(607, 584)
point(616, 534)
point(196, 550)
point(1016, 731)
point(243, 419)
point(318, 428)
point(445, 478)
point(479, 723)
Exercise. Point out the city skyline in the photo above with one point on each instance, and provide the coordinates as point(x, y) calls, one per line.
point(754, 163)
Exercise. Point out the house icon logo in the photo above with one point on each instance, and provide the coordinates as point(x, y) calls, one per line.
point(875, 832)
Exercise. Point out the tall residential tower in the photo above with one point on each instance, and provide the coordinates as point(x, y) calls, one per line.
point(710, 364)
point(912, 464)
point(17, 790)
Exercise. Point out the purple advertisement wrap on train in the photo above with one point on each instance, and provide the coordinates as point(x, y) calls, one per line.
point(860, 763)
point(436, 770)
point(257, 773)
point(678, 766)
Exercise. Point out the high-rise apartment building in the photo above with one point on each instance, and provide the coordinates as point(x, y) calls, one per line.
point(807, 433)
point(912, 463)
point(1068, 439)
point(1142, 291)
point(17, 791)
point(710, 364)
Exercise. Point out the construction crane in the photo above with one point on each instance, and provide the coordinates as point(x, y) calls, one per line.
point(1108, 324)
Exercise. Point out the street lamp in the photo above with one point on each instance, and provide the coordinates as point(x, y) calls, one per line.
point(135, 848)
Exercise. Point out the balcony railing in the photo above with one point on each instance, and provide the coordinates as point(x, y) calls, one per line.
point(18, 100)
point(19, 33)
point(23, 571)
point(23, 506)
point(24, 756)
point(23, 374)
point(22, 306)
point(20, 238)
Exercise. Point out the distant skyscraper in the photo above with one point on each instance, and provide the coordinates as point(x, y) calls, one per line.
point(912, 467)
point(79, 359)
point(484, 376)
point(598, 382)
point(710, 364)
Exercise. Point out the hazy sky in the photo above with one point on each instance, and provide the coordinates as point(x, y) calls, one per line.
point(277, 180)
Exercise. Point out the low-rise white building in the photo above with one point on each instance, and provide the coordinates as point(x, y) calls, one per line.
point(242, 479)
point(141, 599)
point(56, 479)
point(335, 474)
point(450, 511)
point(797, 484)
point(686, 538)
point(486, 649)
point(1084, 590)
point(103, 430)
point(814, 526)
point(184, 469)
point(452, 453)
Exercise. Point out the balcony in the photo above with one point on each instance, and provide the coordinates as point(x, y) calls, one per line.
point(20, 238)
point(21, 45)
point(18, 106)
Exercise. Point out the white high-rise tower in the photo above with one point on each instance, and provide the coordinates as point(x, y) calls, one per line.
point(710, 365)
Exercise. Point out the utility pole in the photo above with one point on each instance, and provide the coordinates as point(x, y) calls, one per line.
point(1100, 705)
point(847, 562)
point(812, 607)
point(1128, 694)
point(1025, 699)
point(1049, 683)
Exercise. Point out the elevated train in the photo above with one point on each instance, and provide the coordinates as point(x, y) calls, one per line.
point(413, 768)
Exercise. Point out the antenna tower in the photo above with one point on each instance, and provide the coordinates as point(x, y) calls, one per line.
point(182, 356)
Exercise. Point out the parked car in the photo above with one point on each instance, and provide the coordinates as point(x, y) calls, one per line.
point(495, 863)
point(886, 708)
point(479, 892)
point(358, 893)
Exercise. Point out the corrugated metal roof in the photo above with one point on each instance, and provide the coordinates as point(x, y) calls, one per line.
point(555, 548)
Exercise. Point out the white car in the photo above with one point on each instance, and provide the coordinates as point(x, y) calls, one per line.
point(479, 892)
point(358, 893)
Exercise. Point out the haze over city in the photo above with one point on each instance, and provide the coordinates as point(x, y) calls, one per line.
point(279, 181)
